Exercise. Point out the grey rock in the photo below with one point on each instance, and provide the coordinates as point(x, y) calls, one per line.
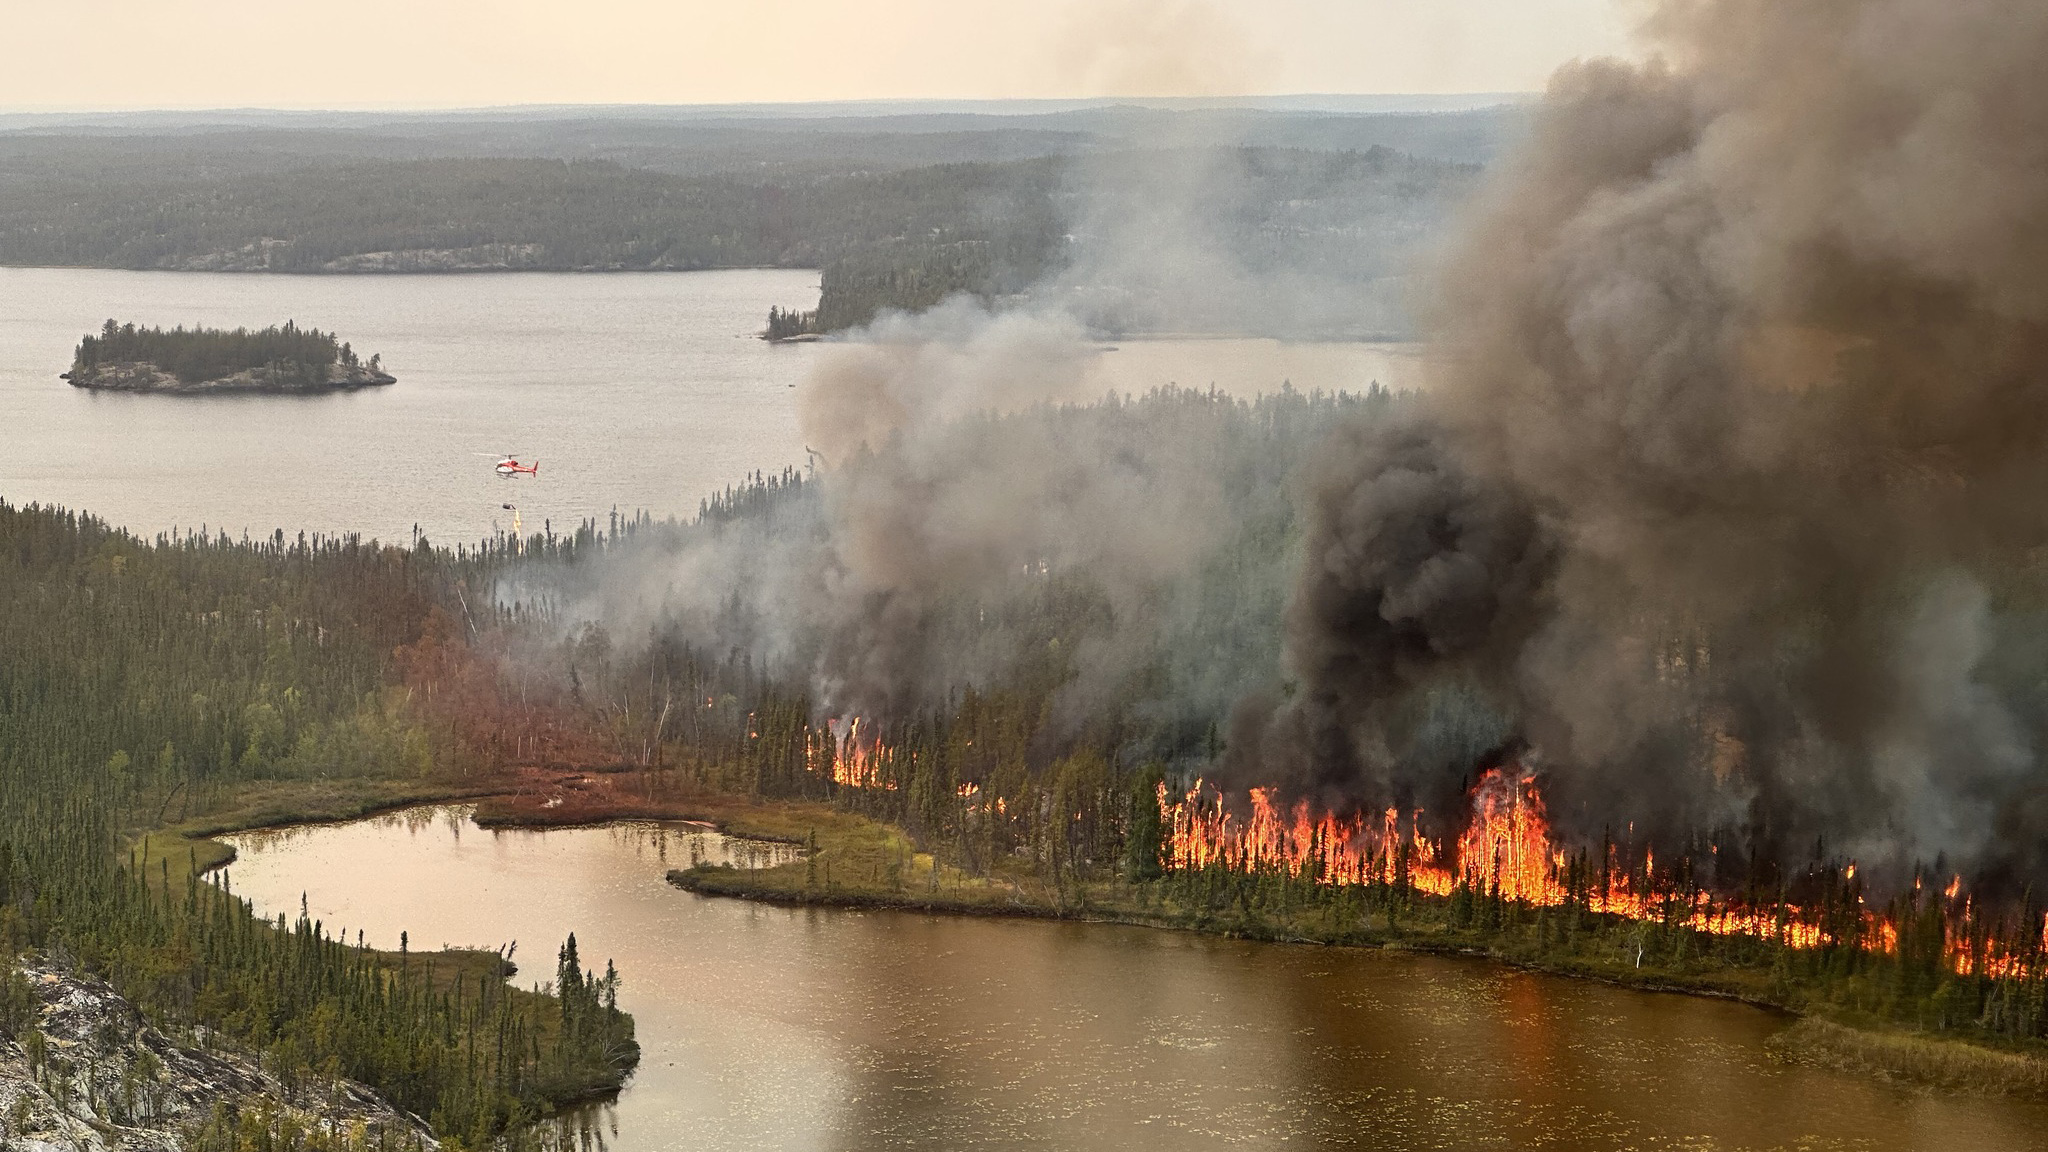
point(143, 376)
point(105, 1081)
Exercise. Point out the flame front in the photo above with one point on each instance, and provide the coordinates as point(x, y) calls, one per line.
point(856, 759)
point(1506, 847)
point(1507, 852)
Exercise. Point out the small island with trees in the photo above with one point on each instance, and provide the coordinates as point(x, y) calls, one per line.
point(286, 359)
point(784, 326)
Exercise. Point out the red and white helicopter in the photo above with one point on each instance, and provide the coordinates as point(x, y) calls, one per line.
point(509, 466)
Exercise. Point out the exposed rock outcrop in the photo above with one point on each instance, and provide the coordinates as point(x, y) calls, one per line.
point(88, 1075)
point(479, 258)
point(264, 256)
point(271, 255)
point(143, 376)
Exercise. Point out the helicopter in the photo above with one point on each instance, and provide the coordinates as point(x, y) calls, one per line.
point(509, 466)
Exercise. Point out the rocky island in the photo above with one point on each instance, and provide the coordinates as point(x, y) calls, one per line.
point(278, 359)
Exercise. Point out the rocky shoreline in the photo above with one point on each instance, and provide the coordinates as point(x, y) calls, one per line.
point(82, 1072)
point(264, 256)
point(144, 376)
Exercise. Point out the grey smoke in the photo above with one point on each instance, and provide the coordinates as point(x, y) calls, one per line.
point(961, 478)
point(1195, 234)
point(974, 520)
point(1950, 749)
point(1740, 382)
point(914, 376)
point(937, 502)
point(958, 476)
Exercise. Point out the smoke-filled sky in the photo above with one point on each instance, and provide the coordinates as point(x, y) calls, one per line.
point(395, 53)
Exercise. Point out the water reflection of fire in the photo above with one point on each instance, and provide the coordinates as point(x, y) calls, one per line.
point(1507, 852)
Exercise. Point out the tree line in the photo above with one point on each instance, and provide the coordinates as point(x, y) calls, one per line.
point(787, 325)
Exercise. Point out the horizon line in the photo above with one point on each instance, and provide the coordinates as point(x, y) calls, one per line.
point(1073, 102)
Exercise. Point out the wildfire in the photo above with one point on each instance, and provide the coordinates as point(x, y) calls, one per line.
point(1506, 847)
point(1203, 832)
point(856, 758)
point(1506, 851)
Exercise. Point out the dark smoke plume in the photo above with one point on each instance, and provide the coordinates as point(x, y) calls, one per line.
point(1412, 565)
point(1735, 476)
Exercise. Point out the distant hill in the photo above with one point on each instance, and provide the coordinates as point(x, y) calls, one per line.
point(899, 207)
point(698, 138)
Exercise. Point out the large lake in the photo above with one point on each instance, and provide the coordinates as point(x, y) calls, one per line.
point(638, 391)
point(778, 1028)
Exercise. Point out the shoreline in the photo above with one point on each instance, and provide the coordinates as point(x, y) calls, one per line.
point(1872, 1048)
point(143, 378)
point(693, 880)
point(544, 798)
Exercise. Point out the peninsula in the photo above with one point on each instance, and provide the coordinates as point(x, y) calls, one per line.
point(280, 359)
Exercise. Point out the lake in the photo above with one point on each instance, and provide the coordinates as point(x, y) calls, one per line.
point(807, 1029)
point(634, 391)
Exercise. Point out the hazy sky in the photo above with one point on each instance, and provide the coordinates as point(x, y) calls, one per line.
point(380, 53)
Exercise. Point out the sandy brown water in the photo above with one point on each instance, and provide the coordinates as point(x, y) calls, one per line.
point(777, 1028)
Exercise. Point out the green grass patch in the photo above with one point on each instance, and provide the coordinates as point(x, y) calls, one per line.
point(1935, 1062)
point(180, 849)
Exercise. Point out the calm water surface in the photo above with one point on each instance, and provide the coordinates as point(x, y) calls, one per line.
point(634, 391)
point(776, 1028)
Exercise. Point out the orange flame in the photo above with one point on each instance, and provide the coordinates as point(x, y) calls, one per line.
point(856, 759)
point(1506, 847)
point(1507, 852)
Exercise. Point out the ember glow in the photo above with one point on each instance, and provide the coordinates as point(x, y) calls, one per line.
point(1507, 852)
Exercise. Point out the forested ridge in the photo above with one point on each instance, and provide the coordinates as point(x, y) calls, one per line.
point(752, 147)
point(522, 213)
point(901, 238)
